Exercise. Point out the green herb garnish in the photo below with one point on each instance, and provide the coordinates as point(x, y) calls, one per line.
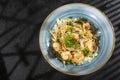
point(67, 19)
point(70, 28)
point(69, 62)
point(56, 54)
point(86, 51)
point(69, 42)
point(81, 21)
point(77, 45)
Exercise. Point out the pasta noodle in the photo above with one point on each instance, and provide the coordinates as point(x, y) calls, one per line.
point(73, 41)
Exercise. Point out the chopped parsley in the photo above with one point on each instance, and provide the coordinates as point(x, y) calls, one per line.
point(86, 51)
point(69, 42)
point(70, 28)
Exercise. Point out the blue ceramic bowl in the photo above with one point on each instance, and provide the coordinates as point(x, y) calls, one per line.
point(96, 17)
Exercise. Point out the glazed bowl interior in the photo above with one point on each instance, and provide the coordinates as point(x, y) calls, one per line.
point(97, 18)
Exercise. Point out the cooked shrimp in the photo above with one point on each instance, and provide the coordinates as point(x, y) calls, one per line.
point(66, 55)
point(63, 29)
point(87, 25)
point(90, 44)
point(78, 58)
point(56, 46)
point(76, 36)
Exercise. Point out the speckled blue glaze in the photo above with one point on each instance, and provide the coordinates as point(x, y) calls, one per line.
point(96, 17)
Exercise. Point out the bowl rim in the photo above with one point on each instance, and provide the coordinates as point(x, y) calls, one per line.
point(97, 68)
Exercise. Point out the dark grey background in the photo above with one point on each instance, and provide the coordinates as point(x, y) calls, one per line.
point(20, 56)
